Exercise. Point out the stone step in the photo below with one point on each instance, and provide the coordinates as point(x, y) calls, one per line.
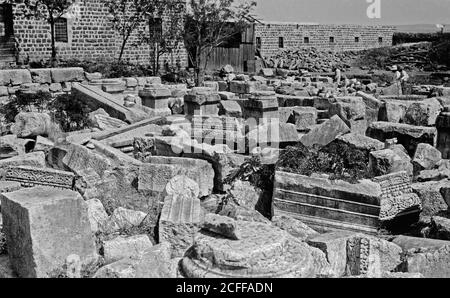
point(328, 202)
point(326, 213)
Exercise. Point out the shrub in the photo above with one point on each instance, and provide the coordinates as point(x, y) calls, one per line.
point(70, 112)
point(25, 102)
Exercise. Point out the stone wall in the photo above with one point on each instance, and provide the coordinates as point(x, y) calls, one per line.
point(53, 80)
point(90, 36)
point(319, 36)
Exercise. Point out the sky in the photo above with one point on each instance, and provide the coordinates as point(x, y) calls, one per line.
point(392, 12)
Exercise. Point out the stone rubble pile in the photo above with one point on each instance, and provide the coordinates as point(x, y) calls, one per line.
point(262, 176)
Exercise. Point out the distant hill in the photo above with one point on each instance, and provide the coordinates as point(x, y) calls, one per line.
point(421, 28)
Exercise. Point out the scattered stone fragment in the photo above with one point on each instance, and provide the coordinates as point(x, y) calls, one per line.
point(156, 262)
point(440, 228)
point(429, 257)
point(431, 197)
point(124, 219)
point(31, 124)
point(221, 225)
point(125, 247)
point(264, 251)
point(97, 215)
point(325, 133)
point(426, 157)
point(293, 226)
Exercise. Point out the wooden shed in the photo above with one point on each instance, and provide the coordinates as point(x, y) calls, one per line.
point(238, 52)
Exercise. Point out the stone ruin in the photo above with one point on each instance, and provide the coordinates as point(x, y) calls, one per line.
point(178, 182)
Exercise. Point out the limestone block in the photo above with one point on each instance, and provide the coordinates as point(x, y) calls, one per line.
point(31, 124)
point(326, 132)
point(69, 74)
point(36, 159)
point(41, 75)
point(97, 215)
point(125, 247)
point(426, 157)
point(43, 227)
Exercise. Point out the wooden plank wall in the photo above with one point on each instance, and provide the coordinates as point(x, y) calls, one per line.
point(241, 58)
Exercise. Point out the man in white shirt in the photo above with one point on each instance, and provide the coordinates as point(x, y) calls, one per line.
point(396, 79)
point(404, 77)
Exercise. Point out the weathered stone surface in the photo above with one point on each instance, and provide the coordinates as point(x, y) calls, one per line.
point(326, 132)
point(429, 257)
point(360, 142)
point(356, 254)
point(264, 251)
point(293, 226)
point(41, 75)
point(230, 108)
point(97, 215)
point(31, 124)
point(70, 74)
point(100, 119)
point(9, 186)
point(15, 77)
point(245, 194)
point(158, 171)
point(124, 219)
point(440, 228)
point(431, 197)
point(303, 117)
point(38, 176)
point(6, 270)
point(181, 217)
point(124, 268)
point(334, 245)
point(10, 145)
point(125, 247)
point(43, 226)
point(221, 225)
point(242, 213)
point(326, 204)
point(96, 98)
point(182, 186)
point(426, 157)
point(156, 262)
point(407, 135)
point(349, 109)
point(423, 113)
point(397, 197)
point(389, 161)
point(35, 159)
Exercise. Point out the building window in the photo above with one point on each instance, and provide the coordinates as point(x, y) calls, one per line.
point(356, 39)
point(331, 39)
point(380, 39)
point(306, 40)
point(258, 42)
point(61, 30)
point(155, 26)
point(280, 42)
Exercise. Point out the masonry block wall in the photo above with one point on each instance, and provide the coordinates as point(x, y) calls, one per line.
point(90, 36)
point(332, 37)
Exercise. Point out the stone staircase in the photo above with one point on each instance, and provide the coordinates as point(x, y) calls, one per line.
point(7, 53)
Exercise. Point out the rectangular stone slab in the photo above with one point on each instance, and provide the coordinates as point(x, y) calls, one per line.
point(43, 226)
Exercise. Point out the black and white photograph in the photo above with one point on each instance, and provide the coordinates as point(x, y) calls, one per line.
point(223, 146)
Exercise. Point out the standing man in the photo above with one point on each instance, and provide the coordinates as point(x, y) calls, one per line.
point(337, 75)
point(396, 79)
point(404, 77)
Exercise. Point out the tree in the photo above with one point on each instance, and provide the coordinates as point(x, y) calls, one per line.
point(126, 17)
point(210, 23)
point(165, 31)
point(48, 10)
